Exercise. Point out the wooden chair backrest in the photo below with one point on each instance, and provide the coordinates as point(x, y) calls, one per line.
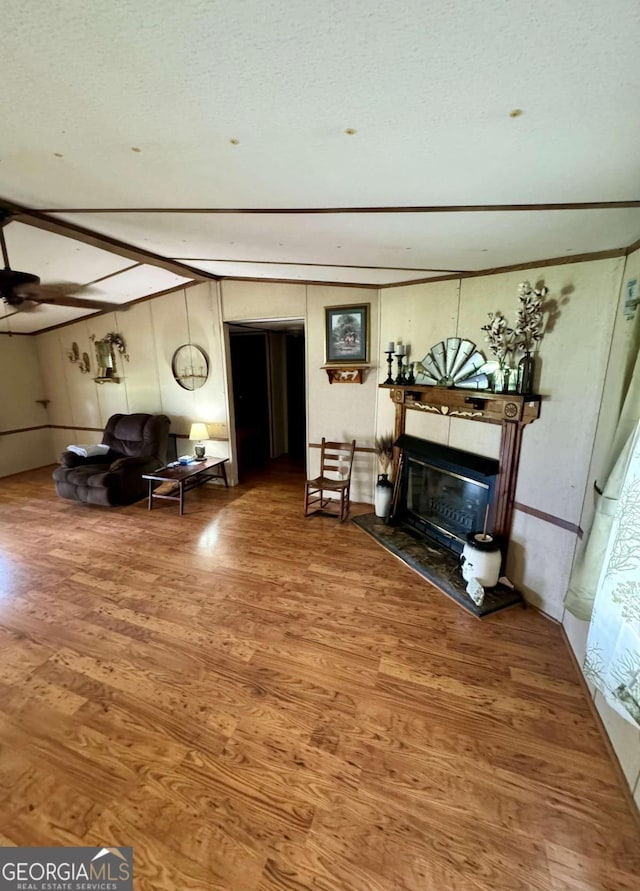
point(337, 458)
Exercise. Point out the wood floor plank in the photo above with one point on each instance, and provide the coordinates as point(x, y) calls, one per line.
point(258, 701)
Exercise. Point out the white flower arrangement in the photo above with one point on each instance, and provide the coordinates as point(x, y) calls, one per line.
point(500, 337)
point(529, 317)
point(529, 326)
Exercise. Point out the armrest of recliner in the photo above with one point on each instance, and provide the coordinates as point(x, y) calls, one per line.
point(132, 463)
point(70, 459)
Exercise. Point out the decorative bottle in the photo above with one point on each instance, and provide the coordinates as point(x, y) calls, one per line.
point(383, 493)
point(526, 368)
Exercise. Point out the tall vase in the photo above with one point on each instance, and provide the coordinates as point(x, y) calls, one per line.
point(383, 493)
point(526, 369)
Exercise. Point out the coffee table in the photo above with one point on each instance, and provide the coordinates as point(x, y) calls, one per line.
point(185, 476)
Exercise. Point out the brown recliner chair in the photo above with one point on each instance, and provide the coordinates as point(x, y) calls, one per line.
point(137, 444)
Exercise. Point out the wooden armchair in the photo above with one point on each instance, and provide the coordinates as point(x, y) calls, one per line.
point(336, 458)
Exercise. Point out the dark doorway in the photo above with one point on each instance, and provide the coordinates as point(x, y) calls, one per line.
point(297, 411)
point(268, 379)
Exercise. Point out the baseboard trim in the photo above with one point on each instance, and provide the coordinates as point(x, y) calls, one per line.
point(365, 449)
point(539, 609)
point(622, 780)
point(23, 430)
point(8, 476)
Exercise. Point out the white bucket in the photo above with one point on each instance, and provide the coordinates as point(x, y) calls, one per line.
point(481, 559)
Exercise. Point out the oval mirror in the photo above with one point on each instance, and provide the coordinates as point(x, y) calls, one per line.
point(190, 366)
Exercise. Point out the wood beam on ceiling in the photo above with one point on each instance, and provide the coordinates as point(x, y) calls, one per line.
point(104, 278)
point(633, 247)
point(299, 281)
point(304, 263)
point(395, 209)
point(41, 220)
point(515, 267)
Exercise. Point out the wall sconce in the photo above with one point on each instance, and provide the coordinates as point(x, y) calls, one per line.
point(106, 349)
point(83, 363)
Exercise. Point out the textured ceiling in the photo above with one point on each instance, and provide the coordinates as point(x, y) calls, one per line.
point(245, 103)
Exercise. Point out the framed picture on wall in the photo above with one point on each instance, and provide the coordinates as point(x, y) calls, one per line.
point(347, 333)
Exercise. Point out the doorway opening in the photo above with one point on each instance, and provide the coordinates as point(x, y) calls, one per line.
point(268, 385)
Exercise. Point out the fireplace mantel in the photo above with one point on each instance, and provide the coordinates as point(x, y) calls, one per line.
point(472, 405)
point(511, 410)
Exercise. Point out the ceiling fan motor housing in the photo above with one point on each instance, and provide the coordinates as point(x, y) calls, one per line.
point(11, 284)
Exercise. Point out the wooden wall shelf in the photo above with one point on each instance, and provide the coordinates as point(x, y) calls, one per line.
point(511, 410)
point(345, 374)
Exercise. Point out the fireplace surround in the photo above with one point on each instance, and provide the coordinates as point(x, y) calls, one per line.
point(445, 492)
point(509, 410)
point(440, 492)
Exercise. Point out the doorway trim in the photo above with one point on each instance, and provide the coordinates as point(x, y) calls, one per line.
point(281, 324)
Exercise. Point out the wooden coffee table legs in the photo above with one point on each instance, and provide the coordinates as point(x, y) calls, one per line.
point(175, 481)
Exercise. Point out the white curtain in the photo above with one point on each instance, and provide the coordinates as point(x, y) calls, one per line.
point(612, 660)
point(586, 572)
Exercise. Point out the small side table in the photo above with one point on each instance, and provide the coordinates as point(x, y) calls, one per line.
point(186, 476)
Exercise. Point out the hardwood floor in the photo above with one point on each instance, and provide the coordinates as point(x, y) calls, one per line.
point(261, 702)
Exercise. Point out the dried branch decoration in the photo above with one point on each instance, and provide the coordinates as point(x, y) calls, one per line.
point(529, 319)
point(529, 327)
point(500, 337)
point(384, 450)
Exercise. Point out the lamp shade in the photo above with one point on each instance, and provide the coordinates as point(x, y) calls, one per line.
point(198, 431)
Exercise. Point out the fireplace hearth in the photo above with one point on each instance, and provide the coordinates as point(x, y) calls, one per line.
point(444, 494)
point(436, 564)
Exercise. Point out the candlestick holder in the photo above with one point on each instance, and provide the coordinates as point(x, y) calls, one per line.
point(390, 379)
point(411, 379)
point(400, 378)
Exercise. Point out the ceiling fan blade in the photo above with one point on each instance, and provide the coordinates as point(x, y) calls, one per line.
point(64, 294)
point(3, 247)
point(79, 302)
point(24, 290)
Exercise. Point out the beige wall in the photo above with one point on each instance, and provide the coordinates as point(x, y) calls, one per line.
point(155, 328)
point(341, 412)
point(571, 367)
point(336, 411)
point(152, 331)
point(21, 384)
point(253, 301)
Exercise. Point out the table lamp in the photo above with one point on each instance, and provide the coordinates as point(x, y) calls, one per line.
point(199, 432)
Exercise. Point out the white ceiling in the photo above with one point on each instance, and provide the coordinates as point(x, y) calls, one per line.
point(133, 104)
